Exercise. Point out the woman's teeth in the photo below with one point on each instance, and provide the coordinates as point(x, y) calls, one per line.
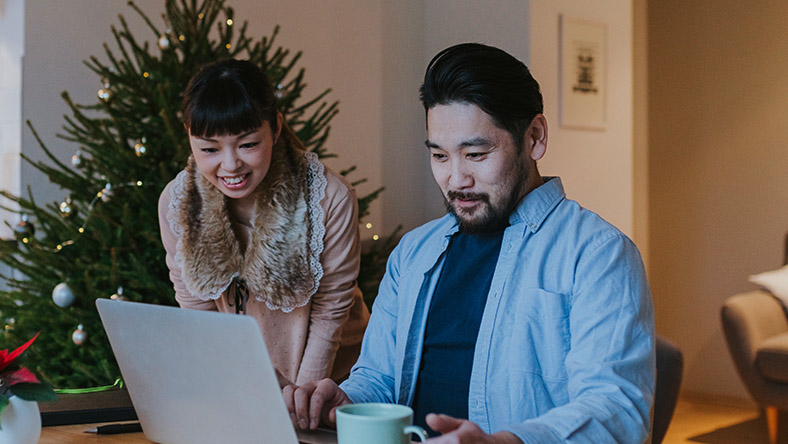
point(234, 180)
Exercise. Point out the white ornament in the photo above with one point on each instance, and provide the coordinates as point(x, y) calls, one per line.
point(62, 295)
point(79, 336)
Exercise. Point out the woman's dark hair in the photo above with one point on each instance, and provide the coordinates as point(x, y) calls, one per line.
point(489, 78)
point(228, 97)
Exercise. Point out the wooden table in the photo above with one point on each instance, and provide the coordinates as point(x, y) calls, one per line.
point(73, 434)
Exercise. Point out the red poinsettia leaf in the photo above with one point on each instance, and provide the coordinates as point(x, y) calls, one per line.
point(14, 354)
point(21, 375)
point(6, 359)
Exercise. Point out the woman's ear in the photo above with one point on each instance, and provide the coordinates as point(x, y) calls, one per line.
point(536, 137)
point(278, 129)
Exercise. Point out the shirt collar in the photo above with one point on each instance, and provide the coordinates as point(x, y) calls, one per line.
point(538, 203)
point(533, 209)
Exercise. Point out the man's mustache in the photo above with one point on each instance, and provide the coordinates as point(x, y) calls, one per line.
point(454, 195)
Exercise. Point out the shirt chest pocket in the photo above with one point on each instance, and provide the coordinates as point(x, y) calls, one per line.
point(536, 333)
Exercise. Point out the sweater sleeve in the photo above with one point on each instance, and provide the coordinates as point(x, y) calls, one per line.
point(331, 304)
point(170, 242)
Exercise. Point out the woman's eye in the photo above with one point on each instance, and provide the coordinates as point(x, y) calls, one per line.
point(249, 145)
point(208, 150)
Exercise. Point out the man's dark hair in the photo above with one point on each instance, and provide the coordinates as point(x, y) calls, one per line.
point(228, 97)
point(489, 78)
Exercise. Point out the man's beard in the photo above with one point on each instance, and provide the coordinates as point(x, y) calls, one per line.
point(491, 217)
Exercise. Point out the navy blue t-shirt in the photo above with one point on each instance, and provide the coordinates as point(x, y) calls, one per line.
point(453, 324)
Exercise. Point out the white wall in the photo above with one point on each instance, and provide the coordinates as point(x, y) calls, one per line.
point(12, 33)
point(501, 23)
point(595, 166)
point(718, 150)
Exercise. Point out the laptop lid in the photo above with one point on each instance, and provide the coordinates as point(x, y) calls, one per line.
point(196, 376)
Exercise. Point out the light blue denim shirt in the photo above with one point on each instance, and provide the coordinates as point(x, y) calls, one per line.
point(565, 351)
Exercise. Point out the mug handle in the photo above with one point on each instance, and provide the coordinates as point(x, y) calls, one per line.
point(421, 433)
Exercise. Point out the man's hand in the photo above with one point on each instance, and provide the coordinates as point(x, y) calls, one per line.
point(313, 402)
point(462, 431)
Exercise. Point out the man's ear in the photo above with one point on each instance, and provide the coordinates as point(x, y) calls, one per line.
point(536, 137)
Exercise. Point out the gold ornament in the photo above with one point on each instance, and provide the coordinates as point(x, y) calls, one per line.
point(105, 94)
point(66, 210)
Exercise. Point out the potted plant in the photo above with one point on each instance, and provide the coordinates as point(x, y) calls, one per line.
point(20, 390)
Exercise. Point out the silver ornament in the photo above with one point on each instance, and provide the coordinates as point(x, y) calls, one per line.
point(79, 336)
point(24, 229)
point(140, 150)
point(280, 92)
point(65, 208)
point(106, 192)
point(62, 295)
point(76, 159)
point(164, 42)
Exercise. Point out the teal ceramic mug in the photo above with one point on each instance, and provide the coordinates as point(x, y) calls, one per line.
point(374, 423)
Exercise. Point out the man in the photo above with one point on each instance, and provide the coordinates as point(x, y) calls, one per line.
point(519, 316)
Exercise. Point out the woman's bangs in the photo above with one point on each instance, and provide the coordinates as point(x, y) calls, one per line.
point(221, 111)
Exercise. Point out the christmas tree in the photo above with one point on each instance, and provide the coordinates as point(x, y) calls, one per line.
point(102, 239)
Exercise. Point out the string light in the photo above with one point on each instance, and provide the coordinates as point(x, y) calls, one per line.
point(229, 22)
point(368, 226)
point(81, 230)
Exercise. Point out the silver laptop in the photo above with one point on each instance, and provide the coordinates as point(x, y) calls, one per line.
point(199, 377)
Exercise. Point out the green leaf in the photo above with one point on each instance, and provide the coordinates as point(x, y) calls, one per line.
point(3, 404)
point(33, 392)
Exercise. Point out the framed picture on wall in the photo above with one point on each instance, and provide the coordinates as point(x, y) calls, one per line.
point(583, 73)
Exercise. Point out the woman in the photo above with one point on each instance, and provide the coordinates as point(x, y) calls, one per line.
point(256, 225)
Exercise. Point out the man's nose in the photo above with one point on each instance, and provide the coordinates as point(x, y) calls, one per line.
point(461, 176)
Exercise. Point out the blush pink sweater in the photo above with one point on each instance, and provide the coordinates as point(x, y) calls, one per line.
point(321, 339)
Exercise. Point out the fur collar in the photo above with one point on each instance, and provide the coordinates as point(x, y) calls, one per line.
point(281, 264)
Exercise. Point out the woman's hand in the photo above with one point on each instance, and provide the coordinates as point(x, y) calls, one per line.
point(313, 402)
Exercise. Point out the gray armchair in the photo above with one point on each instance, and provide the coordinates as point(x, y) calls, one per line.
point(756, 330)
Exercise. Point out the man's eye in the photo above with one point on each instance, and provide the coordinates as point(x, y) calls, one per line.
point(476, 156)
point(438, 156)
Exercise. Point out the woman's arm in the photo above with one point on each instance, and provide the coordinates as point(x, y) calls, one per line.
point(170, 242)
point(331, 304)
